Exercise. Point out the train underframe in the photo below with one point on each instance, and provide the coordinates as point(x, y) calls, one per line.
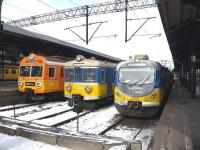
point(92, 104)
point(137, 111)
point(29, 95)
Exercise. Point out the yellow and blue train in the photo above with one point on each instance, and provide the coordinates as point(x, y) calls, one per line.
point(141, 87)
point(92, 79)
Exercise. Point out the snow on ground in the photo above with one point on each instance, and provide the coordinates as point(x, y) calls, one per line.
point(57, 119)
point(146, 135)
point(44, 113)
point(10, 113)
point(93, 123)
point(19, 143)
point(11, 106)
point(123, 132)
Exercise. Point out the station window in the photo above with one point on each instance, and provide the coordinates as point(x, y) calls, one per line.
point(51, 72)
point(61, 72)
point(13, 71)
point(102, 76)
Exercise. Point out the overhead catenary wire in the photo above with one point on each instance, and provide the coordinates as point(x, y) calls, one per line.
point(16, 7)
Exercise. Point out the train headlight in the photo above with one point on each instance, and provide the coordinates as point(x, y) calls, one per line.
point(39, 85)
point(20, 84)
point(117, 94)
point(88, 89)
point(79, 58)
point(153, 96)
point(68, 88)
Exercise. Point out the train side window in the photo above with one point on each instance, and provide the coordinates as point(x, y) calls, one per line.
point(51, 72)
point(61, 72)
point(13, 71)
point(102, 76)
point(6, 71)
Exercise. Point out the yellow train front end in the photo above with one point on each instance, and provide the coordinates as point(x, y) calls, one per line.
point(91, 80)
point(40, 79)
point(89, 91)
point(139, 88)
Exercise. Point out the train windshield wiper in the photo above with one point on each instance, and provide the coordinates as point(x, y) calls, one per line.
point(135, 82)
point(145, 80)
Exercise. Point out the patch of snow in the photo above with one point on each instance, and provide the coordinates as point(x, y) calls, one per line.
point(20, 143)
point(119, 147)
point(145, 136)
point(44, 113)
point(57, 119)
point(11, 106)
point(10, 113)
point(93, 123)
point(124, 133)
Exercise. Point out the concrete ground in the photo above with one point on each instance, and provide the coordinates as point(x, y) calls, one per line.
point(8, 93)
point(8, 86)
point(179, 125)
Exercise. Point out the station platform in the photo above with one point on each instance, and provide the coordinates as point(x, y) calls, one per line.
point(8, 86)
point(9, 93)
point(179, 125)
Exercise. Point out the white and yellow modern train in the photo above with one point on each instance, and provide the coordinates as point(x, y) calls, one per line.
point(141, 86)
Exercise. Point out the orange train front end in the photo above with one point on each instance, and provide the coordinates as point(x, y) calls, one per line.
point(40, 77)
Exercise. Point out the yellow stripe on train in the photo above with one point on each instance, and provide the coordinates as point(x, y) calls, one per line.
point(46, 86)
point(152, 97)
point(93, 89)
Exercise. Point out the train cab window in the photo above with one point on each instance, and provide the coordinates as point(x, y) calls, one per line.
point(36, 71)
point(102, 76)
point(78, 75)
point(25, 71)
point(89, 75)
point(51, 72)
point(13, 71)
point(69, 75)
point(61, 72)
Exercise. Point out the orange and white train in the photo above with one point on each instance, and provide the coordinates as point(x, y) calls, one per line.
point(40, 77)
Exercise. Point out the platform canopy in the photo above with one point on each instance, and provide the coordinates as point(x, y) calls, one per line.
point(181, 21)
point(14, 38)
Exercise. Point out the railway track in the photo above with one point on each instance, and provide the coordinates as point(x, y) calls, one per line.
point(11, 107)
point(104, 121)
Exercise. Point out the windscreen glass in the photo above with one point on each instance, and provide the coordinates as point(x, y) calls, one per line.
point(89, 75)
point(137, 75)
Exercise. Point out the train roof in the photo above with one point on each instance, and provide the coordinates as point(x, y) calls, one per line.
point(139, 63)
point(89, 62)
point(50, 60)
point(58, 59)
